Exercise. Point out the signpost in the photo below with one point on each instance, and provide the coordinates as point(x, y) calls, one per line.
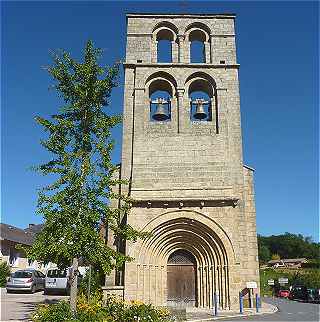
point(270, 282)
point(283, 280)
point(251, 285)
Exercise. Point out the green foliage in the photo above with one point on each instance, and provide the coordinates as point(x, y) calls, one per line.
point(287, 246)
point(4, 273)
point(264, 253)
point(313, 263)
point(96, 281)
point(309, 278)
point(84, 178)
point(53, 312)
point(113, 310)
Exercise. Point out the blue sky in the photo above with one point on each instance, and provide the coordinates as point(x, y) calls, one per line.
point(277, 47)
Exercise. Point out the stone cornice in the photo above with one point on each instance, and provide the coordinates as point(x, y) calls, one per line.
point(182, 15)
point(186, 202)
point(185, 65)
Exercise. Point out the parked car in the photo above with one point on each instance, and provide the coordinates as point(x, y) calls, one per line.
point(26, 280)
point(284, 293)
point(300, 293)
point(58, 281)
point(317, 295)
point(313, 295)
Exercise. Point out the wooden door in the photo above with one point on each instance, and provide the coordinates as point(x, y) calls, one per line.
point(181, 280)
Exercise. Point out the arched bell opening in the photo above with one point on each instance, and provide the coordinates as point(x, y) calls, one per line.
point(161, 92)
point(181, 279)
point(201, 98)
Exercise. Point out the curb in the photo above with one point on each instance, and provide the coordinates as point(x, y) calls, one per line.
point(274, 310)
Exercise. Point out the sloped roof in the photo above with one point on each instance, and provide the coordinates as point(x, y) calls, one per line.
point(34, 229)
point(288, 260)
point(15, 234)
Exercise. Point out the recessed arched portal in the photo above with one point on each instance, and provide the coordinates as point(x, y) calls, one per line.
point(208, 249)
point(181, 279)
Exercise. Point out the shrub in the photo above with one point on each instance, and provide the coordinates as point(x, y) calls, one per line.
point(133, 311)
point(91, 311)
point(58, 312)
point(4, 273)
point(96, 281)
point(114, 310)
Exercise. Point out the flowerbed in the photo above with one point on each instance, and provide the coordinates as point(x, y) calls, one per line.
point(114, 310)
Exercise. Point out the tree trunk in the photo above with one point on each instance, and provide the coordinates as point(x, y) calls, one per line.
point(74, 285)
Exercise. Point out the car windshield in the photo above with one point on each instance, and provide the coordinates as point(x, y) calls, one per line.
point(57, 273)
point(22, 274)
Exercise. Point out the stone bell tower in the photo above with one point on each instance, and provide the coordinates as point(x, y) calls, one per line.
point(182, 154)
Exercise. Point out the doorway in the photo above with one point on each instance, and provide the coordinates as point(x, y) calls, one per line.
point(181, 279)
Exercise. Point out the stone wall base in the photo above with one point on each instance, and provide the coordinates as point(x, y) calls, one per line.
point(117, 291)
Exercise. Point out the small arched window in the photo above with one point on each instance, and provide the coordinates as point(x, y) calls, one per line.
point(165, 37)
point(197, 40)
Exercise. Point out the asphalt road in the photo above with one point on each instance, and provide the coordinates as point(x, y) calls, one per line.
point(19, 306)
point(288, 311)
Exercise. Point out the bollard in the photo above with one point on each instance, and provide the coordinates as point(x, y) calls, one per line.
point(257, 303)
point(215, 301)
point(241, 302)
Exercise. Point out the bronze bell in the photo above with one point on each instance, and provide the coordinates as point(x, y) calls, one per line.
point(161, 113)
point(200, 113)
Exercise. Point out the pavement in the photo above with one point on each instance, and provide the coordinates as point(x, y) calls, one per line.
point(274, 309)
point(19, 306)
point(197, 315)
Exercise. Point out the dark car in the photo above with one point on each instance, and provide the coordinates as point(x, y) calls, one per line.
point(313, 295)
point(302, 293)
point(26, 280)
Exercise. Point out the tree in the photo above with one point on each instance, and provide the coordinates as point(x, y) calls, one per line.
point(275, 257)
point(78, 201)
point(264, 253)
point(291, 246)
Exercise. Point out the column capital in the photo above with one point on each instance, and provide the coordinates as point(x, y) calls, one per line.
point(180, 92)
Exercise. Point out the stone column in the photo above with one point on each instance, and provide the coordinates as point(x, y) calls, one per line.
point(212, 49)
point(187, 51)
point(154, 50)
point(207, 52)
point(180, 109)
point(174, 51)
point(181, 48)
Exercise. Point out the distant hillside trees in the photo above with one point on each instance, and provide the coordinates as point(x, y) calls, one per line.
point(287, 246)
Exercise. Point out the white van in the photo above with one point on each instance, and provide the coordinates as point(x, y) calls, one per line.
point(57, 281)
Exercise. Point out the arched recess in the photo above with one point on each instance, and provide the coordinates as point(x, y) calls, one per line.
point(161, 92)
point(202, 95)
point(198, 36)
point(164, 43)
point(192, 232)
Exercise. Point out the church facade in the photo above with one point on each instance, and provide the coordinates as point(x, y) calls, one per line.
point(182, 154)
